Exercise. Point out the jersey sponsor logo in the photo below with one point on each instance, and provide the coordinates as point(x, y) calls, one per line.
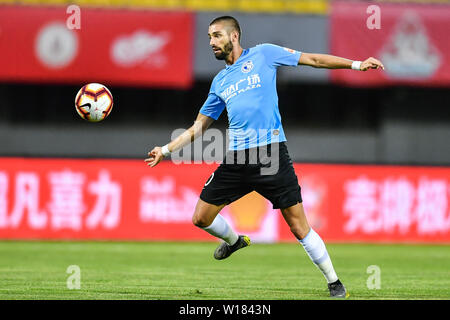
point(247, 66)
point(250, 82)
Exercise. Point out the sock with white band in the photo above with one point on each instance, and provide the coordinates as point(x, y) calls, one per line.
point(317, 252)
point(221, 229)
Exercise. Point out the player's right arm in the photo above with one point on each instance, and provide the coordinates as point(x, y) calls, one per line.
point(210, 111)
point(200, 125)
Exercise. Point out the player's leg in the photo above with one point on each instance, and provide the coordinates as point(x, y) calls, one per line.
point(312, 243)
point(283, 190)
point(314, 246)
point(207, 217)
point(223, 187)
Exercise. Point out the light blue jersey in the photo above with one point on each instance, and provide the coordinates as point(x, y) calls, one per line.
point(248, 90)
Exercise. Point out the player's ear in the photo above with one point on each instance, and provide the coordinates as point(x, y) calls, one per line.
point(234, 36)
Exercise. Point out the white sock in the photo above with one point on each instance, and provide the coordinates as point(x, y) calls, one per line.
point(317, 252)
point(221, 229)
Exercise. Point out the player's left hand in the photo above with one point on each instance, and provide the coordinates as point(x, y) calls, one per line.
point(371, 63)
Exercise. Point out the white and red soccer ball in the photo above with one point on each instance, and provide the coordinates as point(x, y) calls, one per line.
point(94, 102)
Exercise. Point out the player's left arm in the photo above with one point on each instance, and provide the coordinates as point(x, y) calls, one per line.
point(318, 60)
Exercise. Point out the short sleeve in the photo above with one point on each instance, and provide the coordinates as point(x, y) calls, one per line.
point(277, 56)
point(213, 105)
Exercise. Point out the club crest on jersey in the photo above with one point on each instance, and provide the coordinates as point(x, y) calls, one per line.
point(247, 66)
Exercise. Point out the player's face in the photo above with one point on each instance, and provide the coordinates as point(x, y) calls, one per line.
point(220, 41)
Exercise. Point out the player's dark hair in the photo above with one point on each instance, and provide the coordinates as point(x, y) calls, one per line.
point(232, 21)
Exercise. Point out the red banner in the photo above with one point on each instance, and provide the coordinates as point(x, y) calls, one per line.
point(410, 40)
point(376, 203)
point(126, 200)
point(123, 47)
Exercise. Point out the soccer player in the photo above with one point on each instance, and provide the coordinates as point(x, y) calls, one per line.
point(247, 88)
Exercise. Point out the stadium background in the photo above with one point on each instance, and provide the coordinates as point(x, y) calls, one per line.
point(371, 150)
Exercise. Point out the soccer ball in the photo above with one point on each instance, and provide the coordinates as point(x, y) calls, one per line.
point(94, 102)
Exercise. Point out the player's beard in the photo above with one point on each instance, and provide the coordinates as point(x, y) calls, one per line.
point(225, 52)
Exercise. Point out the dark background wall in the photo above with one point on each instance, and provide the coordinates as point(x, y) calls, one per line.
point(323, 122)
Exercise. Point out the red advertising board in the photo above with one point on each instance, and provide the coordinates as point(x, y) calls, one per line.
point(410, 39)
point(376, 203)
point(126, 200)
point(114, 47)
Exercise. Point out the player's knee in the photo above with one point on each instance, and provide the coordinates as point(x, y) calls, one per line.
point(199, 221)
point(299, 231)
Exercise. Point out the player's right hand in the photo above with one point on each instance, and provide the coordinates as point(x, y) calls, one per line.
point(154, 157)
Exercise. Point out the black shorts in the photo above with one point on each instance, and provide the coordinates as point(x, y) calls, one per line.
point(267, 170)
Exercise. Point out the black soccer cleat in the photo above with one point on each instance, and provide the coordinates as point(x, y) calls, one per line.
point(224, 250)
point(337, 290)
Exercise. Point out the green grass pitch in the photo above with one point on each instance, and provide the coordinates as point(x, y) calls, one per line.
point(187, 270)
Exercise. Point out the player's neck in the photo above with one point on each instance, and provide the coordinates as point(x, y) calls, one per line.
point(234, 55)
